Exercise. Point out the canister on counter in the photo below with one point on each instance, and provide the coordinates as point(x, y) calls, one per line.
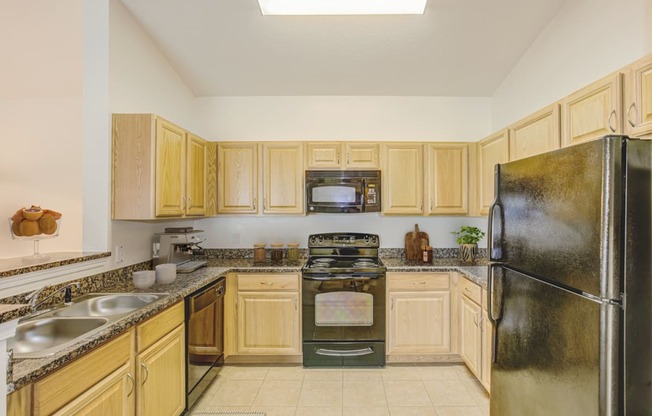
point(260, 252)
point(293, 251)
point(277, 252)
point(426, 251)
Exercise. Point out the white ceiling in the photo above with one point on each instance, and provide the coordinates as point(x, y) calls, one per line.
point(457, 48)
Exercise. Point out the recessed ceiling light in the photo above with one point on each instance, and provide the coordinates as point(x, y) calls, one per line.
point(336, 7)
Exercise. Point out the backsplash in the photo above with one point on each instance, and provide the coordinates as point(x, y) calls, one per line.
point(248, 253)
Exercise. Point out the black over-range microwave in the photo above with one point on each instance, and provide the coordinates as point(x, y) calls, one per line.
point(342, 191)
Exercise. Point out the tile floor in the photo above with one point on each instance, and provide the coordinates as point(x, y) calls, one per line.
point(396, 390)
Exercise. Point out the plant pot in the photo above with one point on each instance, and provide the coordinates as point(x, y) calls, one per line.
point(468, 252)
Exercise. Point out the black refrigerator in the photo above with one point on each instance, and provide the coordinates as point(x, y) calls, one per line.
point(570, 282)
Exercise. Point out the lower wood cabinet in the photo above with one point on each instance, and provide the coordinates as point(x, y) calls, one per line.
point(476, 331)
point(418, 316)
point(141, 372)
point(264, 316)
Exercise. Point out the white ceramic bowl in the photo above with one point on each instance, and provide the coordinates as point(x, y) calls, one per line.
point(166, 273)
point(144, 278)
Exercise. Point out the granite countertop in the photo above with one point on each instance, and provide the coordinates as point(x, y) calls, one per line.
point(21, 265)
point(26, 371)
point(10, 312)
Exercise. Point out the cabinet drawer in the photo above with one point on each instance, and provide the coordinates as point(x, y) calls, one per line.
point(418, 281)
point(258, 282)
point(471, 290)
point(155, 328)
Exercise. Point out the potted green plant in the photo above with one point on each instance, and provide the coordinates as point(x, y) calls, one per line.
point(467, 238)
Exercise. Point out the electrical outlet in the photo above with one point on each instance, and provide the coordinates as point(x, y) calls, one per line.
point(119, 254)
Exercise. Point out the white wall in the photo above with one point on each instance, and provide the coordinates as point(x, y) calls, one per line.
point(586, 40)
point(141, 81)
point(343, 118)
point(41, 117)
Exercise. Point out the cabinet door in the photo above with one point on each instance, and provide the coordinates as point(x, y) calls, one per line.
point(361, 155)
point(237, 178)
point(419, 323)
point(283, 178)
point(268, 323)
point(112, 396)
point(211, 179)
point(536, 134)
point(487, 346)
point(161, 380)
point(170, 169)
point(491, 151)
point(638, 117)
point(196, 175)
point(592, 112)
point(323, 155)
point(402, 178)
point(470, 347)
point(448, 178)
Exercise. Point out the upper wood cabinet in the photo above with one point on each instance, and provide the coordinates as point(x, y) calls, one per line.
point(593, 112)
point(159, 170)
point(283, 178)
point(491, 151)
point(638, 98)
point(337, 155)
point(237, 177)
point(535, 134)
point(402, 170)
point(447, 178)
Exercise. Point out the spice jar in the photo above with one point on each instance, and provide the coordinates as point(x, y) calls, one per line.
point(277, 251)
point(259, 252)
point(293, 251)
point(427, 254)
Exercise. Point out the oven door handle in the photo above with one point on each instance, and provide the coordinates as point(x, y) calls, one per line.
point(344, 353)
point(338, 277)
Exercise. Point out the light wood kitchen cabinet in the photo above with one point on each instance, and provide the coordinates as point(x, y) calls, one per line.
point(419, 315)
point(535, 134)
point(593, 112)
point(638, 98)
point(471, 335)
point(100, 379)
point(402, 167)
point(283, 178)
point(341, 155)
point(487, 346)
point(491, 151)
point(159, 170)
point(237, 178)
point(447, 178)
point(268, 314)
point(211, 180)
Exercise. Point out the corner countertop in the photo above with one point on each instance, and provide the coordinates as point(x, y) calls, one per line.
point(21, 265)
point(25, 371)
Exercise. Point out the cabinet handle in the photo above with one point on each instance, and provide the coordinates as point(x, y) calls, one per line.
point(255, 203)
point(264, 204)
point(133, 384)
point(475, 319)
point(189, 202)
point(629, 119)
point(391, 307)
point(183, 202)
point(267, 283)
point(348, 158)
point(338, 158)
point(295, 304)
point(144, 367)
point(418, 283)
point(612, 115)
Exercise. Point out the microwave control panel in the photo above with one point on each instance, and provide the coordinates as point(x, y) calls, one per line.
point(371, 196)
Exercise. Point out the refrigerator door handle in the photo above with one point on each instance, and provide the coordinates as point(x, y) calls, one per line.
point(491, 301)
point(495, 250)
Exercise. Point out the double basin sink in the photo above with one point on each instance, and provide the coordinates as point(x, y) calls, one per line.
point(60, 327)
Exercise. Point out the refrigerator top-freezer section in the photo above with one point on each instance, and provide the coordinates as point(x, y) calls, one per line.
point(558, 216)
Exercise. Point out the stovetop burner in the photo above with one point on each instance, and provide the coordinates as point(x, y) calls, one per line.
point(343, 253)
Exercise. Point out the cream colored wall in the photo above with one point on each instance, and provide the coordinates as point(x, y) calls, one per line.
point(585, 41)
point(343, 118)
point(41, 117)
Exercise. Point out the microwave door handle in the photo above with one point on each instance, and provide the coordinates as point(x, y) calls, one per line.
point(362, 195)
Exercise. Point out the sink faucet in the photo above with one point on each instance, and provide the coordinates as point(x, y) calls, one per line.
point(67, 296)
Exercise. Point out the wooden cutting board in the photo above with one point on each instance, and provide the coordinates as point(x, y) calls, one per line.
point(414, 240)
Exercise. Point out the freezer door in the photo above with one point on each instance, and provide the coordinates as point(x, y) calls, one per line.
point(558, 216)
point(549, 355)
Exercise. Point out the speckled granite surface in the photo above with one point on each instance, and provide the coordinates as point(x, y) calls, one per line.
point(26, 371)
point(9, 312)
point(21, 265)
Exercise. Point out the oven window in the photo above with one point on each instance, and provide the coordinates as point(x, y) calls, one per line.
point(336, 194)
point(344, 309)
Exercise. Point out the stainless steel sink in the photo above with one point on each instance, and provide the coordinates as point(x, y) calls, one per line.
point(43, 336)
point(108, 304)
point(53, 330)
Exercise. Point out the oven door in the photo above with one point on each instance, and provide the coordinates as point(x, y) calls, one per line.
point(335, 195)
point(344, 320)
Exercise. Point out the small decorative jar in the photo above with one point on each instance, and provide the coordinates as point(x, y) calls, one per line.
point(427, 254)
point(277, 252)
point(293, 251)
point(259, 252)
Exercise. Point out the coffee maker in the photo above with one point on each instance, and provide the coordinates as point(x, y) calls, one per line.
point(177, 247)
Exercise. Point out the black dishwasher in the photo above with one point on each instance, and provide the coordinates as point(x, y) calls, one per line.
point(204, 338)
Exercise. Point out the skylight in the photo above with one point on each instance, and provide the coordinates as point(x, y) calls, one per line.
point(341, 7)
